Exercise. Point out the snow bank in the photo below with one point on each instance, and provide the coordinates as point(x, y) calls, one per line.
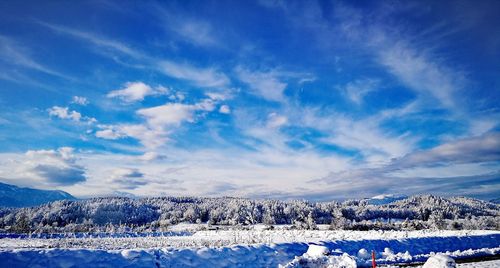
point(325, 254)
point(319, 256)
point(317, 251)
point(439, 261)
point(483, 264)
point(406, 250)
point(242, 256)
point(343, 261)
point(215, 238)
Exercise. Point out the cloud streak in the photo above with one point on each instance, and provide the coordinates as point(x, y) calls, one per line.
point(96, 40)
point(202, 77)
point(136, 91)
point(467, 162)
point(14, 53)
point(264, 84)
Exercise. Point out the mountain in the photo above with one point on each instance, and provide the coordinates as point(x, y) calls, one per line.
point(13, 196)
point(385, 199)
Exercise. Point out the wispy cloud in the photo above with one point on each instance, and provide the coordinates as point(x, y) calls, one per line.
point(363, 135)
point(159, 122)
point(264, 84)
point(422, 74)
point(96, 40)
point(127, 178)
point(198, 32)
point(15, 53)
point(484, 148)
point(456, 164)
point(275, 120)
point(358, 89)
point(136, 91)
point(202, 77)
point(188, 28)
point(150, 137)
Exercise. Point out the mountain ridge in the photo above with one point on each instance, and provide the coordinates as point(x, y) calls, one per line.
point(15, 196)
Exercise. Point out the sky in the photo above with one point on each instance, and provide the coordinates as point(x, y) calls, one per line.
point(316, 100)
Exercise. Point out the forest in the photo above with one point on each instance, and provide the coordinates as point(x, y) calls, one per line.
point(121, 214)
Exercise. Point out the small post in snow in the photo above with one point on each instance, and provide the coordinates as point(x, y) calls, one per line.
point(374, 263)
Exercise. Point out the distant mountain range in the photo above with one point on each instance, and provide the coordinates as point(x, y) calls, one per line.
point(14, 196)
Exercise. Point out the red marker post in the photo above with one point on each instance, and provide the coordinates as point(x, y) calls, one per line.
point(374, 263)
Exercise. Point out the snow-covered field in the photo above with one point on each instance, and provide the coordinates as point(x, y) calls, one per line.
point(244, 248)
point(484, 264)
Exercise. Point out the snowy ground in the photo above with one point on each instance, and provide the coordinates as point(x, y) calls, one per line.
point(485, 264)
point(245, 248)
point(189, 237)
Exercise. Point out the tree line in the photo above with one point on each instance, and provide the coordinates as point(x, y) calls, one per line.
point(116, 214)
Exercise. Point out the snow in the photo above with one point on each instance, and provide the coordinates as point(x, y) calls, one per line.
point(342, 261)
point(364, 254)
point(484, 264)
point(220, 238)
point(270, 248)
point(317, 251)
point(439, 261)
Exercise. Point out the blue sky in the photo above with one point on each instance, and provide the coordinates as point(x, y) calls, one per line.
point(264, 99)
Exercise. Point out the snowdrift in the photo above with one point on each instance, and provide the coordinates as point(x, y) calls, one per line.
point(261, 255)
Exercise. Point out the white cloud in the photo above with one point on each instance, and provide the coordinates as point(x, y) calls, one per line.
point(151, 156)
point(160, 121)
point(479, 126)
point(224, 109)
point(275, 120)
point(80, 100)
point(206, 105)
point(192, 170)
point(136, 91)
point(456, 168)
point(177, 96)
point(358, 89)
point(44, 168)
point(109, 134)
point(422, 73)
point(150, 137)
point(218, 96)
point(190, 29)
point(167, 114)
point(363, 135)
point(202, 77)
point(64, 113)
point(485, 148)
point(196, 32)
point(264, 84)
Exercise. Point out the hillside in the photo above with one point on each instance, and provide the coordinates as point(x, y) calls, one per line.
point(13, 196)
point(150, 214)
